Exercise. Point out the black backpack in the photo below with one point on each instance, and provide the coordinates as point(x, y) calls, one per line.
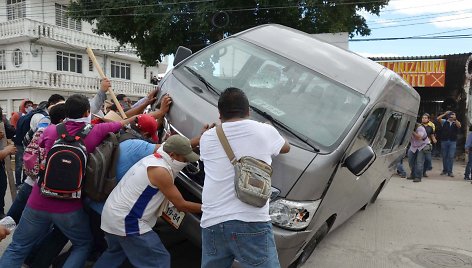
point(100, 177)
point(65, 165)
point(23, 125)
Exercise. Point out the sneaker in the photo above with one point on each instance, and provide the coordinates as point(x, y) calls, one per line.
point(466, 179)
point(409, 178)
point(443, 173)
point(450, 174)
point(417, 180)
point(403, 176)
point(425, 175)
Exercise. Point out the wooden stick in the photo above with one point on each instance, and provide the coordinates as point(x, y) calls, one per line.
point(102, 75)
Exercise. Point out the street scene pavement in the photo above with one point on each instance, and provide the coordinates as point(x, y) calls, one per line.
point(426, 224)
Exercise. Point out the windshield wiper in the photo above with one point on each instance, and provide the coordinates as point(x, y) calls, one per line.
point(284, 126)
point(203, 80)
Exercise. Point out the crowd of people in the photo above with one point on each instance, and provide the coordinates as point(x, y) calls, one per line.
point(120, 228)
point(435, 134)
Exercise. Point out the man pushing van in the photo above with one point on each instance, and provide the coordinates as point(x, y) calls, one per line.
point(233, 229)
point(133, 206)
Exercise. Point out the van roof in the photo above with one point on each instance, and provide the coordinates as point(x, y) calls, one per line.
point(336, 63)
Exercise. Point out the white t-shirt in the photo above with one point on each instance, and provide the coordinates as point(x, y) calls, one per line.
point(247, 138)
point(131, 209)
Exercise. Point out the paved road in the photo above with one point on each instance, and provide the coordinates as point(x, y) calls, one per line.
point(427, 224)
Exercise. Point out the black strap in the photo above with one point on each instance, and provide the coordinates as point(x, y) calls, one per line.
point(82, 133)
point(61, 130)
point(128, 136)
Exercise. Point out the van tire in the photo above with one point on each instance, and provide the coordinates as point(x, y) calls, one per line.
point(377, 192)
point(310, 246)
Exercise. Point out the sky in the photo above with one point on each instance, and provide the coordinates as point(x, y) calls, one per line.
point(427, 18)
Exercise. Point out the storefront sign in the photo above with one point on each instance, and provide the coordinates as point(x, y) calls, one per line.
point(427, 73)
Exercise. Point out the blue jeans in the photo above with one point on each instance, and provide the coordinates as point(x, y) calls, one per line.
point(469, 166)
point(3, 186)
point(35, 223)
point(143, 251)
point(416, 162)
point(20, 150)
point(428, 159)
point(19, 203)
point(400, 170)
point(251, 243)
point(448, 151)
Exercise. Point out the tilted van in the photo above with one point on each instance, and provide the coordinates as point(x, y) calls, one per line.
point(347, 118)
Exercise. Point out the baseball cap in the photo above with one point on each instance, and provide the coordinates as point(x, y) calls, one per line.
point(181, 145)
point(147, 123)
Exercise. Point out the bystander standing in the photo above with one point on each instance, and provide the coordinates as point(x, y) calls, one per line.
point(419, 140)
point(449, 130)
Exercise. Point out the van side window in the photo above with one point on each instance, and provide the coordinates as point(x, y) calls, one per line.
point(391, 131)
point(371, 126)
point(404, 133)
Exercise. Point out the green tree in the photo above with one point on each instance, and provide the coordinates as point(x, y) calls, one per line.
point(157, 28)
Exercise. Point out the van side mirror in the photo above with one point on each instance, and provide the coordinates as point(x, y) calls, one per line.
point(360, 160)
point(181, 54)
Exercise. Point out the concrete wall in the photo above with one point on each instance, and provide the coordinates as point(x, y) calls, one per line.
point(28, 62)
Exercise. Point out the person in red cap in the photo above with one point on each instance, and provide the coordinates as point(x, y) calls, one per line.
point(147, 126)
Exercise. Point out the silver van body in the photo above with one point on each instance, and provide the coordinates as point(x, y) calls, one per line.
point(328, 102)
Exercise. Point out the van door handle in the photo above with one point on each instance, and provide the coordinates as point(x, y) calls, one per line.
point(197, 89)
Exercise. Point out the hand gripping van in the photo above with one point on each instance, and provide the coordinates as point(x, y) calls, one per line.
point(347, 118)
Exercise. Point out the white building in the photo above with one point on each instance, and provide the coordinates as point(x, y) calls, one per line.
point(43, 52)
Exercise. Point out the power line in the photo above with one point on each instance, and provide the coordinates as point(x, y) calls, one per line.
point(409, 37)
point(438, 4)
point(411, 18)
point(251, 8)
point(437, 37)
point(418, 23)
point(414, 18)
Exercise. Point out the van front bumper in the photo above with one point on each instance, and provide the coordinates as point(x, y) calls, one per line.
point(289, 244)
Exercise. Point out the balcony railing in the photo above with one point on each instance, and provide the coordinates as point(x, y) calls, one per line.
point(68, 82)
point(35, 29)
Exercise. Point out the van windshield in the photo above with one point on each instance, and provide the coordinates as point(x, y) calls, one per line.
point(302, 99)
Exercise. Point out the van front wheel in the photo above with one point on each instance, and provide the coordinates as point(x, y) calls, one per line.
point(310, 246)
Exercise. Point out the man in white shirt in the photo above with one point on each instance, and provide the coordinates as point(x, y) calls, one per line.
point(133, 206)
point(232, 229)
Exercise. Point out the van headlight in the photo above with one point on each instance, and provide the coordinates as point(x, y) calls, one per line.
point(293, 215)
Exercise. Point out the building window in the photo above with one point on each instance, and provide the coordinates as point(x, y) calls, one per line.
point(16, 9)
point(17, 57)
point(120, 70)
point(63, 20)
point(2, 60)
point(145, 72)
point(69, 62)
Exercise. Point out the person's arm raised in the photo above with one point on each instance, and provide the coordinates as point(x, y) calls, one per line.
point(164, 108)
